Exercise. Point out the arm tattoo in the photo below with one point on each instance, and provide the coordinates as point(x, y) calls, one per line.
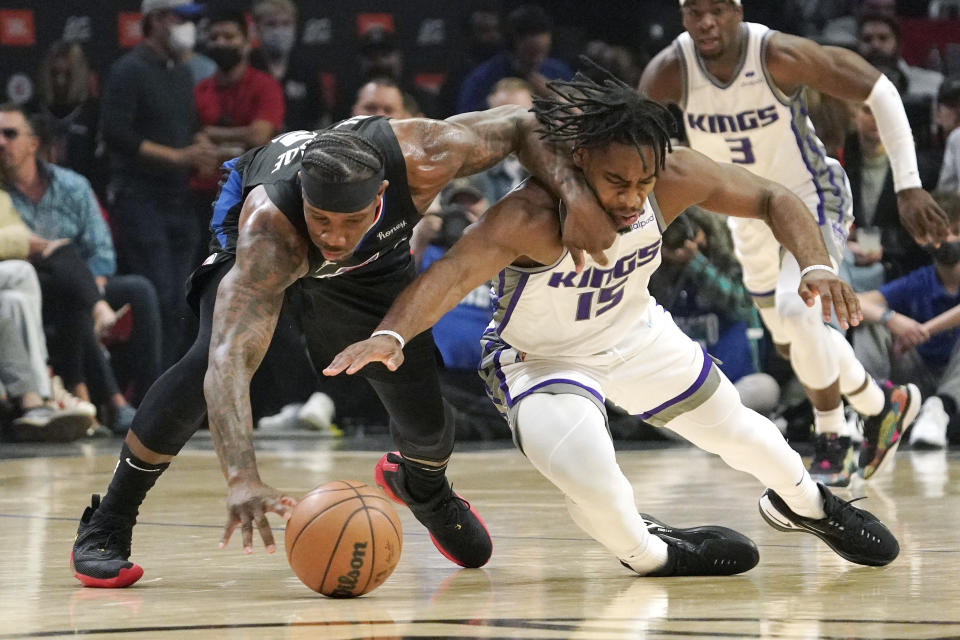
point(248, 304)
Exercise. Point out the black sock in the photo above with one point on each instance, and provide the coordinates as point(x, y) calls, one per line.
point(424, 482)
point(131, 481)
point(949, 404)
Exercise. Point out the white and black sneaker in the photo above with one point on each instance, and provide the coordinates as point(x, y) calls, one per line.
point(855, 534)
point(702, 551)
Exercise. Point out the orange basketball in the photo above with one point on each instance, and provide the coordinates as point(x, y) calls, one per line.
point(343, 539)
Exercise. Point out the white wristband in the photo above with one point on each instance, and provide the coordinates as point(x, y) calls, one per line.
point(814, 267)
point(894, 128)
point(393, 334)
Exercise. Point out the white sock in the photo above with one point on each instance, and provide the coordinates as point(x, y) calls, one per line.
point(804, 499)
point(648, 557)
point(832, 421)
point(870, 401)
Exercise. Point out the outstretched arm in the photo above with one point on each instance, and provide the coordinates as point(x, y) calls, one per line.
point(503, 234)
point(795, 62)
point(436, 151)
point(693, 179)
point(270, 256)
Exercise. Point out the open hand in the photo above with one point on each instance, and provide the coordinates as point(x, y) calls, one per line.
point(835, 295)
point(248, 502)
point(922, 216)
point(383, 349)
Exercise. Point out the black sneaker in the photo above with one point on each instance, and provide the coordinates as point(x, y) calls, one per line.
point(702, 551)
point(855, 534)
point(455, 527)
point(834, 461)
point(882, 433)
point(100, 552)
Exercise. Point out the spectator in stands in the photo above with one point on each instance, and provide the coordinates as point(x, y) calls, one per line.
point(150, 125)
point(948, 121)
point(893, 252)
point(458, 332)
point(911, 332)
point(618, 60)
point(67, 101)
point(58, 205)
point(239, 107)
point(500, 179)
point(201, 66)
point(296, 70)
point(529, 38)
point(382, 97)
point(878, 37)
point(24, 376)
point(481, 39)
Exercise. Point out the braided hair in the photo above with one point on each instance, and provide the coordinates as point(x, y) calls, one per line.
point(339, 157)
point(590, 114)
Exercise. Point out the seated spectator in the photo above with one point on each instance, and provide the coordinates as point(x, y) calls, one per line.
point(500, 179)
point(892, 251)
point(60, 208)
point(295, 69)
point(67, 101)
point(381, 97)
point(878, 37)
point(458, 332)
point(911, 332)
point(24, 374)
point(948, 121)
point(529, 38)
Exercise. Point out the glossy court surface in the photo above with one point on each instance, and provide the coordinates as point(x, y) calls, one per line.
point(546, 578)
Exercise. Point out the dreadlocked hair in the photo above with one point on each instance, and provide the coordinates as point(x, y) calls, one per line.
point(592, 114)
point(338, 157)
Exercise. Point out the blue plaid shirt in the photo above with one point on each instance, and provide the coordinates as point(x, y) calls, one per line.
point(69, 209)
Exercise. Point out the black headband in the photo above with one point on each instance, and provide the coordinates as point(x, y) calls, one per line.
point(343, 197)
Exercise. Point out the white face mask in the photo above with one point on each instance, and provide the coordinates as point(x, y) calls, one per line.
point(278, 39)
point(183, 37)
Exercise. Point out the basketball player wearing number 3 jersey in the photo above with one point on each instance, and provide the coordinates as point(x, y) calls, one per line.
point(740, 86)
point(562, 340)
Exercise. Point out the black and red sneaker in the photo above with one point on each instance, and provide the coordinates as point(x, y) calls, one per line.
point(100, 552)
point(455, 527)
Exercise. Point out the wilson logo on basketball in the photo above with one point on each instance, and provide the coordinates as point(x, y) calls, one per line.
point(348, 582)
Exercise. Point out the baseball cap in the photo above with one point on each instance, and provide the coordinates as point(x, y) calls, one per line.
point(185, 8)
point(458, 187)
point(949, 92)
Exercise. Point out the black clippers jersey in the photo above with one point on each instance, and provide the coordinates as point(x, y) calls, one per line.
point(276, 166)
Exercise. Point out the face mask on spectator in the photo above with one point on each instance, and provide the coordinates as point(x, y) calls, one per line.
point(947, 254)
point(226, 57)
point(277, 39)
point(183, 37)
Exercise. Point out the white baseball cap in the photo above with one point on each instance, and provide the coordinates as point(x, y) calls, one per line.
point(186, 8)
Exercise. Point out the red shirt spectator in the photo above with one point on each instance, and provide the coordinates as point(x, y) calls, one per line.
point(257, 96)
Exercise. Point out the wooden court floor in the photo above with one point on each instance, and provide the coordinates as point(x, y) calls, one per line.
point(546, 578)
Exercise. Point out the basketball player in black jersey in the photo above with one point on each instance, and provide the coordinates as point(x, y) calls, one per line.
point(329, 214)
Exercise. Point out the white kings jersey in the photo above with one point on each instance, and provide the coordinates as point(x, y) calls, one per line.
point(554, 311)
point(750, 122)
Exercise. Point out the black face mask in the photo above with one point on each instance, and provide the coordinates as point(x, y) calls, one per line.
point(947, 254)
point(226, 57)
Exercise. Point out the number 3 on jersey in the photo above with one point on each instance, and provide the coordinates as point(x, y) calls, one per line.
point(741, 150)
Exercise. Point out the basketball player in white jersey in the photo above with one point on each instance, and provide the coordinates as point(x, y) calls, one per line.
point(740, 86)
point(563, 341)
